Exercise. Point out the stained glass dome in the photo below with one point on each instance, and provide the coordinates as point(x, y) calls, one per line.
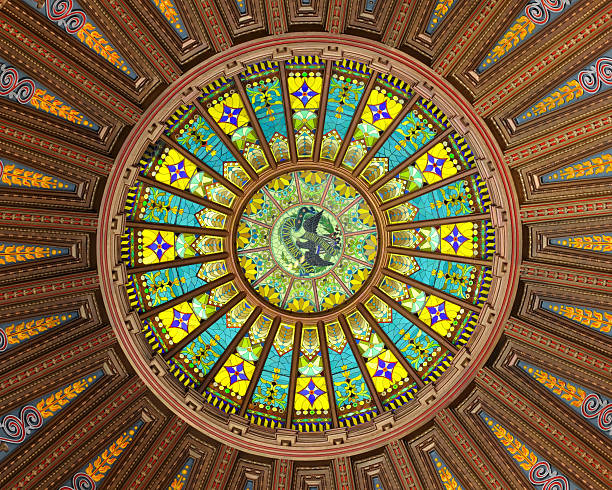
point(308, 244)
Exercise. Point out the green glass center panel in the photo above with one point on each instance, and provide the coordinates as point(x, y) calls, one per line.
point(307, 241)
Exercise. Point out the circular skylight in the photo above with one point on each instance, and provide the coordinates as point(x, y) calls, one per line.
point(306, 244)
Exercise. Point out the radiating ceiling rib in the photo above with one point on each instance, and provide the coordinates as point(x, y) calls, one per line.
point(191, 336)
point(445, 343)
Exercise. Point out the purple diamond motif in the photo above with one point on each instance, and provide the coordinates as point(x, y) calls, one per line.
point(230, 115)
point(180, 320)
point(455, 239)
point(385, 369)
point(311, 391)
point(236, 373)
point(177, 171)
point(438, 313)
point(434, 165)
point(379, 111)
point(304, 93)
point(159, 246)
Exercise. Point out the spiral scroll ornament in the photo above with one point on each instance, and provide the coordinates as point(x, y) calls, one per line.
point(594, 407)
point(538, 11)
point(16, 428)
point(81, 481)
point(542, 474)
point(63, 12)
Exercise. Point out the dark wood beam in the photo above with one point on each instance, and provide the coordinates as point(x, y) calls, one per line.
point(429, 290)
point(361, 363)
point(287, 108)
point(444, 343)
point(191, 294)
point(198, 259)
point(295, 356)
point(322, 111)
point(412, 158)
point(229, 350)
point(451, 220)
point(226, 308)
point(269, 342)
point(254, 121)
point(225, 139)
point(356, 118)
point(187, 195)
point(436, 255)
point(428, 188)
point(408, 105)
point(146, 225)
point(201, 165)
point(331, 394)
point(391, 345)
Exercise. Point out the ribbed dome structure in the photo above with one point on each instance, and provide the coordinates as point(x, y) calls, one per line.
point(251, 244)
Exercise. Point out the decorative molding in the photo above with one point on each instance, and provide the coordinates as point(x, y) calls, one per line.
point(577, 208)
point(21, 423)
point(537, 470)
point(403, 465)
point(438, 14)
point(215, 27)
point(103, 414)
point(95, 470)
point(472, 453)
point(596, 166)
point(535, 17)
point(587, 128)
point(283, 471)
point(445, 475)
point(222, 468)
point(344, 474)
point(148, 44)
point(584, 34)
point(73, 20)
point(585, 316)
point(591, 406)
point(477, 21)
point(587, 458)
point(277, 17)
point(558, 275)
point(554, 345)
point(573, 243)
point(77, 282)
point(70, 153)
point(158, 452)
point(591, 80)
point(95, 86)
point(16, 333)
point(336, 16)
point(398, 23)
point(55, 220)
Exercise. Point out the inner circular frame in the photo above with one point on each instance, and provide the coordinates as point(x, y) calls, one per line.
point(375, 274)
point(288, 443)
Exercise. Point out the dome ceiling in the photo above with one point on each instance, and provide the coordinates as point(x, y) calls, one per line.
point(254, 244)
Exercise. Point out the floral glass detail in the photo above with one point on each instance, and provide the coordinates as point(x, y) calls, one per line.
point(307, 241)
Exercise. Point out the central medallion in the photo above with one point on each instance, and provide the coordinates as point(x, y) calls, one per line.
point(307, 241)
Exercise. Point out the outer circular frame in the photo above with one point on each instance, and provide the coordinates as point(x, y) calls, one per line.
point(288, 443)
